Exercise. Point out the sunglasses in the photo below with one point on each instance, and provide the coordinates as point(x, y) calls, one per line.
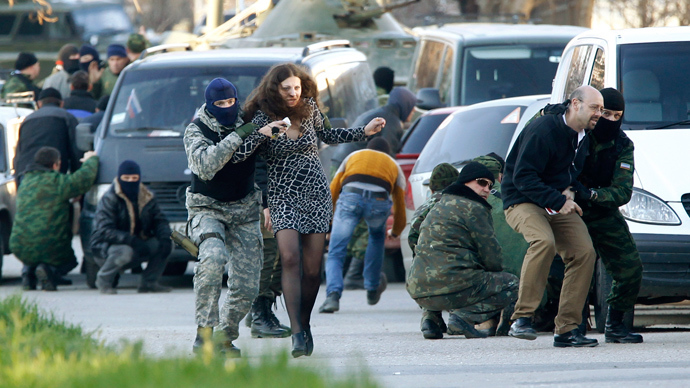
point(483, 182)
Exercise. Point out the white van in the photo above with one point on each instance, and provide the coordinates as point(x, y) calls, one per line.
point(651, 67)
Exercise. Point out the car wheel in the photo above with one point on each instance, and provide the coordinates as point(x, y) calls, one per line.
point(175, 268)
point(91, 271)
point(602, 290)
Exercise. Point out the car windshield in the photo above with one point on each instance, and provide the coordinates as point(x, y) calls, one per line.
point(468, 134)
point(419, 133)
point(100, 20)
point(655, 84)
point(493, 72)
point(161, 102)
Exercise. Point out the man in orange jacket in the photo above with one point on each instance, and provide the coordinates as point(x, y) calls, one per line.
point(362, 188)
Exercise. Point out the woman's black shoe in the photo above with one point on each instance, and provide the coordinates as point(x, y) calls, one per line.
point(309, 342)
point(299, 344)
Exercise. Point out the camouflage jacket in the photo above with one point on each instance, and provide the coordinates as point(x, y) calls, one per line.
point(456, 245)
point(609, 197)
point(418, 217)
point(108, 80)
point(18, 83)
point(42, 231)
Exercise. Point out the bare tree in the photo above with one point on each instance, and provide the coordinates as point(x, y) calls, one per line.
point(649, 13)
point(162, 15)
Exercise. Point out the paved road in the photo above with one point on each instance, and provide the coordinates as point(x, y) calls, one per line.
point(383, 339)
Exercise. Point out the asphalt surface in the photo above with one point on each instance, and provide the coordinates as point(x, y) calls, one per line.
point(383, 340)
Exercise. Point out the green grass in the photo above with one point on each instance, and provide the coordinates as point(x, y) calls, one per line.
point(37, 350)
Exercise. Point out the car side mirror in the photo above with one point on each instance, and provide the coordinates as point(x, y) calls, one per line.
point(429, 98)
point(84, 137)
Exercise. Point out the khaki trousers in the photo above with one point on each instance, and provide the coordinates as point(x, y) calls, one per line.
point(547, 235)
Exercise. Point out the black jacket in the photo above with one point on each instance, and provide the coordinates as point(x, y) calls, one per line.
point(115, 221)
point(81, 100)
point(48, 126)
point(542, 163)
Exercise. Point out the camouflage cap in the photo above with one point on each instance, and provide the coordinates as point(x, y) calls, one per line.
point(443, 175)
point(136, 43)
point(490, 163)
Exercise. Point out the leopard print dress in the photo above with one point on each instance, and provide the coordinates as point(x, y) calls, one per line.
point(299, 196)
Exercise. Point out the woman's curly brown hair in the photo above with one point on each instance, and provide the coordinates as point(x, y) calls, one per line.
point(266, 97)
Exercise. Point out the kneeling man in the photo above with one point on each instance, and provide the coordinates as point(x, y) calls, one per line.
point(457, 263)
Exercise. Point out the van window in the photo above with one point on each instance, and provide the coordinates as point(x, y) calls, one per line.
point(597, 78)
point(468, 134)
point(6, 24)
point(577, 70)
point(493, 72)
point(30, 26)
point(446, 75)
point(655, 83)
point(428, 62)
point(161, 102)
point(349, 91)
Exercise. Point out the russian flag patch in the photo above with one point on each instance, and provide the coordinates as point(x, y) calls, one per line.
point(625, 166)
point(133, 107)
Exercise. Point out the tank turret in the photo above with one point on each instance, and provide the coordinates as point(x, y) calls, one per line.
point(288, 23)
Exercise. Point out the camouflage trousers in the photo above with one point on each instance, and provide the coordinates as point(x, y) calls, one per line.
point(480, 303)
point(357, 246)
point(270, 285)
point(238, 223)
point(616, 248)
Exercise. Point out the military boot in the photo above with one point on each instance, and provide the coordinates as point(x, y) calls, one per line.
point(29, 280)
point(203, 334)
point(459, 326)
point(264, 322)
point(616, 331)
point(45, 274)
point(433, 325)
point(354, 278)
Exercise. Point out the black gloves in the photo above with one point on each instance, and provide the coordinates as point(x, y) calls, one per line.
point(556, 109)
point(245, 130)
point(140, 247)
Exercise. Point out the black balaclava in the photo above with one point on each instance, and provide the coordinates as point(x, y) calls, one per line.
point(606, 130)
point(130, 189)
point(222, 89)
point(70, 65)
point(88, 50)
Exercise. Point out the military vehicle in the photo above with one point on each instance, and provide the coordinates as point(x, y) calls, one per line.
point(369, 27)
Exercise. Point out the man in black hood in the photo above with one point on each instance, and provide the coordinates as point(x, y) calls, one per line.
point(607, 181)
point(67, 64)
point(129, 229)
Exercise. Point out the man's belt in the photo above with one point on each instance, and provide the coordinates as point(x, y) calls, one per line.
point(365, 193)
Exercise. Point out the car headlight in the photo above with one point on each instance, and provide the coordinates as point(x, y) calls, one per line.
point(94, 195)
point(647, 208)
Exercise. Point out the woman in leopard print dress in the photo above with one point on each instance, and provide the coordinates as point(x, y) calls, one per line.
point(299, 198)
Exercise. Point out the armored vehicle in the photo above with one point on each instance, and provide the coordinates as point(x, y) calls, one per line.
point(295, 23)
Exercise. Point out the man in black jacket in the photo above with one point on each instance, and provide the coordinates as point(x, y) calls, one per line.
point(129, 229)
point(49, 126)
point(538, 203)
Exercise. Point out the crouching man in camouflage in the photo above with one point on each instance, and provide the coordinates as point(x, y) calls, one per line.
point(457, 263)
point(224, 206)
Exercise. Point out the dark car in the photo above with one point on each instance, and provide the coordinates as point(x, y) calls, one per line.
point(155, 98)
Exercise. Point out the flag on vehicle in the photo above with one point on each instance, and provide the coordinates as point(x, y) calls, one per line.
point(133, 106)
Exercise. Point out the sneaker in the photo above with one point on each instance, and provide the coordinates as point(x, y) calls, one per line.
point(459, 326)
point(44, 275)
point(332, 303)
point(522, 329)
point(373, 296)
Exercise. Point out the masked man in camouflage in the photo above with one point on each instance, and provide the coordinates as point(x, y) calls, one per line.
point(224, 207)
point(457, 265)
point(607, 177)
point(42, 232)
